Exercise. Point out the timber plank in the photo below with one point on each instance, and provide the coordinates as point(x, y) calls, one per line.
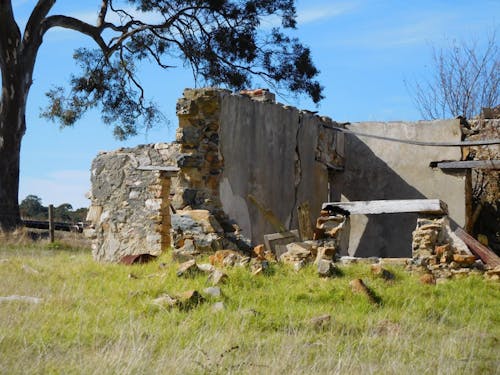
point(432, 206)
point(478, 249)
point(468, 164)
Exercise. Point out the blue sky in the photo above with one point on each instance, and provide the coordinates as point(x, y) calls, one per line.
point(364, 49)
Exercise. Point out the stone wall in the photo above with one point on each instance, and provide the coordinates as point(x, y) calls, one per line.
point(129, 213)
point(227, 147)
point(378, 169)
point(243, 157)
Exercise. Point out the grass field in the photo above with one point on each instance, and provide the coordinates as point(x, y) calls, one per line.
point(99, 319)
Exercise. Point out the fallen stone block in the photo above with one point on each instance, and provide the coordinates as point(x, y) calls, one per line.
point(188, 268)
point(299, 249)
point(217, 277)
point(225, 258)
point(259, 267)
point(206, 267)
point(165, 301)
point(213, 291)
point(464, 260)
point(297, 266)
point(321, 321)
point(326, 268)
point(276, 242)
point(325, 252)
point(428, 279)
point(381, 272)
point(190, 299)
point(218, 306)
point(358, 286)
point(259, 251)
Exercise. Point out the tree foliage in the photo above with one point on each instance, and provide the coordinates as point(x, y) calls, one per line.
point(222, 41)
point(225, 42)
point(465, 78)
point(32, 208)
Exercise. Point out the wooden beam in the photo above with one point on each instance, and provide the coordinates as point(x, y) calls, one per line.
point(169, 171)
point(478, 249)
point(467, 164)
point(432, 206)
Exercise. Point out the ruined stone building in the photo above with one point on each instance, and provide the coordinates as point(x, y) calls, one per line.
point(239, 160)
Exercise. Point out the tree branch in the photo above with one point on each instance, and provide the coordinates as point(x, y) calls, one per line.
point(76, 25)
point(10, 35)
point(102, 14)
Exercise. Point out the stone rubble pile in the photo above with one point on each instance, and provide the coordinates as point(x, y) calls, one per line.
point(439, 252)
point(329, 239)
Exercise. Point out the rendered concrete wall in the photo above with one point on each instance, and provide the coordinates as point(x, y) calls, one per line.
point(377, 169)
point(277, 154)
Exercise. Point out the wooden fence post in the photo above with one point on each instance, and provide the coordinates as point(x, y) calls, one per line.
point(51, 222)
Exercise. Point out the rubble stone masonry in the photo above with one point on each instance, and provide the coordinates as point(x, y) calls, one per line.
point(227, 147)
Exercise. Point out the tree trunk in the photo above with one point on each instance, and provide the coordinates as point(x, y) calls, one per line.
point(17, 60)
point(12, 128)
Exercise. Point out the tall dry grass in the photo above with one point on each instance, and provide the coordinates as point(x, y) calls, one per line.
point(99, 319)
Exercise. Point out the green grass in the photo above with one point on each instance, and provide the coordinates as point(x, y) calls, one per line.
point(95, 319)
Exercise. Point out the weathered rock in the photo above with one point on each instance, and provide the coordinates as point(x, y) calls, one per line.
point(165, 301)
point(326, 253)
point(217, 277)
point(326, 268)
point(358, 286)
point(259, 267)
point(190, 299)
point(380, 271)
point(297, 266)
point(29, 269)
point(129, 209)
point(296, 251)
point(299, 249)
point(461, 272)
point(218, 306)
point(188, 269)
point(206, 267)
point(213, 291)
point(428, 279)
point(259, 251)
point(204, 218)
point(464, 260)
point(181, 256)
point(225, 258)
point(346, 260)
point(321, 321)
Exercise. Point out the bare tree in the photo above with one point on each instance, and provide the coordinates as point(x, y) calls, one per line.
point(465, 78)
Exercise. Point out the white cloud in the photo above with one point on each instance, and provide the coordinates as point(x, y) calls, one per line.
point(65, 186)
point(321, 13)
point(410, 30)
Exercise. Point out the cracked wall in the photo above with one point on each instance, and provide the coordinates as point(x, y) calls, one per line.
point(279, 155)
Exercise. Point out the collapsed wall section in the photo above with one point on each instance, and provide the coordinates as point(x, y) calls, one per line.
point(228, 147)
point(378, 169)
